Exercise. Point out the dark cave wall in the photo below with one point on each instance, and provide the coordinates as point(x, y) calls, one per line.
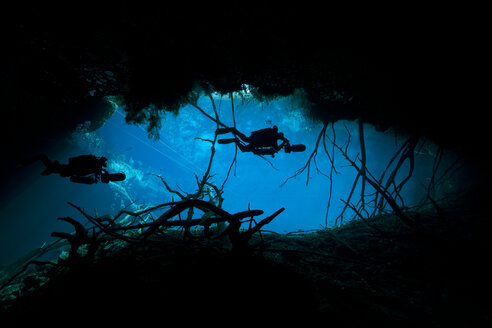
point(62, 61)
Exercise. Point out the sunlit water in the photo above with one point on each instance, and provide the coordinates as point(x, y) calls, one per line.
point(178, 157)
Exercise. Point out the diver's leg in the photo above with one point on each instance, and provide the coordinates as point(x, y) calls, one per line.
point(244, 148)
point(51, 167)
point(224, 130)
point(41, 157)
point(241, 136)
point(234, 131)
point(45, 160)
point(241, 146)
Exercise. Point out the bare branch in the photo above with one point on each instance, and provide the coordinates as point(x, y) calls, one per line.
point(206, 140)
point(308, 163)
point(216, 119)
point(407, 153)
point(169, 188)
point(435, 167)
point(372, 226)
point(383, 191)
point(234, 160)
point(354, 184)
point(362, 159)
point(104, 228)
point(332, 169)
point(349, 198)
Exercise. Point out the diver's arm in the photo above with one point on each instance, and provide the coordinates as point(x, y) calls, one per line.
point(242, 147)
point(284, 142)
point(41, 157)
point(240, 135)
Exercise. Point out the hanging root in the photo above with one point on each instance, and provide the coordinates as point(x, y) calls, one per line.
point(312, 157)
point(383, 190)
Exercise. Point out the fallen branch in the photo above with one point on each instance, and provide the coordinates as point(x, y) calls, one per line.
point(280, 250)
point(106, 229)
point(237, 237)
point(13, 270)
point(76, 240)
point(9, 281)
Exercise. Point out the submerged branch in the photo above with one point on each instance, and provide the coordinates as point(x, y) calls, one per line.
point(354, 184)
point(372, 226)
point(407, 150)
point(332, 169)
point(381, 190)
point(238, 238)
point(362, 160)
point(349, 198)
point(311, 157)
point(216, 120)
point(435, 167)
point(234, 160)
point(180, 195)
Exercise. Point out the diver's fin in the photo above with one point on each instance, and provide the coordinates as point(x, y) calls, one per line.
point(222, 130)
point(47, 171)
point(225, 141)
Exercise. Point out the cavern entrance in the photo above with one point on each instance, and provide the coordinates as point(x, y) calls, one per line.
point(349, 170)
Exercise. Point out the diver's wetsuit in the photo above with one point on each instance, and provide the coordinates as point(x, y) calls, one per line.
point(77, 166)
point(86, 169)
point(264, 141)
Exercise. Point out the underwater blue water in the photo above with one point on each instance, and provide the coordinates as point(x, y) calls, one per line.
point(178, 156)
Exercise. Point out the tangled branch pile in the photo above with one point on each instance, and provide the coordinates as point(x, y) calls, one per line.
point(90, 244)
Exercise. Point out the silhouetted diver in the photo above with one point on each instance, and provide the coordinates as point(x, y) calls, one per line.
point(86, 169)
point(260, 142)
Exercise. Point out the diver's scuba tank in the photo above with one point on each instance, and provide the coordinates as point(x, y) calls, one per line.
point(85, 180)
point(106, 177)
point(264, 151)
point(294, 148)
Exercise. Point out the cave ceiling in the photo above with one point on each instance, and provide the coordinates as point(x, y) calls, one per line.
point(60, 64)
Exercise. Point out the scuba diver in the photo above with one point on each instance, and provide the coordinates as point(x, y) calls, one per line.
point(86, 169)
point(260, 142)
